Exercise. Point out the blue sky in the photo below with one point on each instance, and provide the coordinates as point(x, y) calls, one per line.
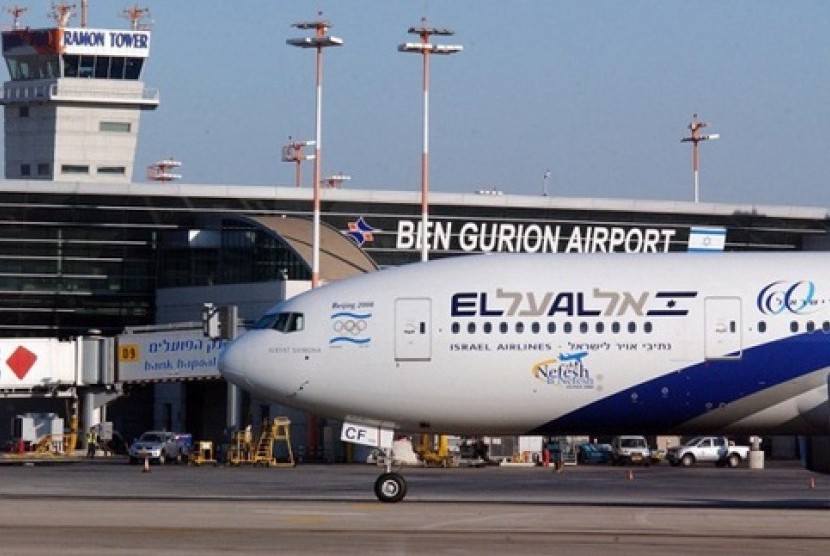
point(598, 92)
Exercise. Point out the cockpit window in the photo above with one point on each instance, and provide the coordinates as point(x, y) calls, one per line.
point(282, 322)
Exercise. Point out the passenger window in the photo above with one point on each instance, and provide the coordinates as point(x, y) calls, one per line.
point(600, 328)
point(488, 327)
point(456, 328)
point(825, 326)
point(811, 326)
point(615, 327)
point(551, 328)
point(567, 327)
point(762, 327)
point(503, 327)
point(471, 327)
point(794, 326)
point(647, 328)
point(583, 327)
point(535, 328)
point(632, 327)
point(520, 327)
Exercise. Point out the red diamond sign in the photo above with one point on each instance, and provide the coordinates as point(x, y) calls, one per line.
point(21, 361)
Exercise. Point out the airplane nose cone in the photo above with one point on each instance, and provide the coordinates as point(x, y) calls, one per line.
point(234, 364)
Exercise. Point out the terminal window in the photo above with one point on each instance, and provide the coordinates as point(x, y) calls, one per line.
point(112, 170)
point(102, 67)
point(117, 127)
point(43, 169)
point(74, 169)
point(32, 67)
point(25, 170)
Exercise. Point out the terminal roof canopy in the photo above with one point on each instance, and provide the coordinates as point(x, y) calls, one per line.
point(339, 256)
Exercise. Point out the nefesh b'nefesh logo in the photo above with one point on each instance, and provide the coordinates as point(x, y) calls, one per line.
point(568, 370)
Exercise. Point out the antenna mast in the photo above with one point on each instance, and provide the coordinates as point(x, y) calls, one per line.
point(135, 15)
point(62, 13)
point(16, 12)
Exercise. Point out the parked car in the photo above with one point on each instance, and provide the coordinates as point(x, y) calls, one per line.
point(593, 453)
point(631, 449)
point(160, 446)
point(708, 449)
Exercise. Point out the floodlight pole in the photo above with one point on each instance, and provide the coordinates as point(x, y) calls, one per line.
point(318, 42)
point(425, 48)
point(694, 139)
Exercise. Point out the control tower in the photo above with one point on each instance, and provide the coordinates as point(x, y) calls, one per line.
point(73, 103)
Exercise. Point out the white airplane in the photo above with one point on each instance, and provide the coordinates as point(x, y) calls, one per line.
point(553, 344)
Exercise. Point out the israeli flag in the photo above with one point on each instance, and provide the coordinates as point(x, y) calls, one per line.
point(707, 239)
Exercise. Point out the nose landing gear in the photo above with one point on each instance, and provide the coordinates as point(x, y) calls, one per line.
point(390, 487)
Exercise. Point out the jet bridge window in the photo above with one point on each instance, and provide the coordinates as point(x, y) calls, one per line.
point(282, 322)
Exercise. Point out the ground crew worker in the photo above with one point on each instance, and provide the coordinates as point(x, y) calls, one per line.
point(91, 442)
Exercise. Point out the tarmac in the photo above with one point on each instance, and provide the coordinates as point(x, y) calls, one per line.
point(106, 506)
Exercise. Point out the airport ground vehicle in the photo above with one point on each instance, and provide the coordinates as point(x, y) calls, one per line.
point(630, 449)
point(160, 446)
point(594, 453)
point(708, 449)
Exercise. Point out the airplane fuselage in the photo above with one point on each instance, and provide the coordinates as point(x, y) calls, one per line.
point(517, 344)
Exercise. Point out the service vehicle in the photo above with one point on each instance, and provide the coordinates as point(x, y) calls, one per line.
point(594, 453)
point(630, 449)
point(708, 449)
point(160, 446)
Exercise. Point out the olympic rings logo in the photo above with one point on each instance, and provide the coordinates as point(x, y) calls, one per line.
point(349, 326)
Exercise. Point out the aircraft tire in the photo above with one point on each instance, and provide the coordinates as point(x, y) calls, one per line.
point(390, 487)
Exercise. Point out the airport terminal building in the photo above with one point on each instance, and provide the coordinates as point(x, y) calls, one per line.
point(86, 253)
point(82, 260)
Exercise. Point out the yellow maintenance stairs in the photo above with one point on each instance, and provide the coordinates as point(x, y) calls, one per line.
point(435, 453)
point(274, 431)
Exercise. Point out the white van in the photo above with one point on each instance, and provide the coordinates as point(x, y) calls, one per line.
point(630, 449)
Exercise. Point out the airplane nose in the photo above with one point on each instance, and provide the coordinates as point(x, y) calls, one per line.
point(233, 363)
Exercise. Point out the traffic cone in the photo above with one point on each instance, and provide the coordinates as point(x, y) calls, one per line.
point(630, 475)
point(146, 465)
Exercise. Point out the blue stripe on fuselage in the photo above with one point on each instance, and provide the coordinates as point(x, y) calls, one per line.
point(668, 401)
